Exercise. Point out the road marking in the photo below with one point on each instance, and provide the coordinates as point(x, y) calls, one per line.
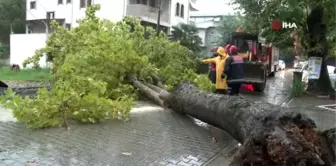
point(329, 107)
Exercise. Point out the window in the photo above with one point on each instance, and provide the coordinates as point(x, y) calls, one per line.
point(177, 10)
point(144, 2)
point(85, 3)
point(68, 26)
point(60, 2)
point(33, 5)
point(68, 1)
point(30, 29)
point(152, 3)
point(138, 1)
point(82, 4)
point(182, 11)
point(50, 15)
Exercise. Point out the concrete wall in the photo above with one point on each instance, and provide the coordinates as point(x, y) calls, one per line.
point(23, 46)
point(202, 34)
point(211, 40)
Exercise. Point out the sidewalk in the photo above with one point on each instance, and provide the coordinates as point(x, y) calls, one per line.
point(153, 137)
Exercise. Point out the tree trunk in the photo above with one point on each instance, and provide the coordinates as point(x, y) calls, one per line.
point(271, 135)
point(149, 92)
point(318, 48)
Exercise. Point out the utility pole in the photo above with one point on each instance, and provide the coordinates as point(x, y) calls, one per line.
point(159, 17)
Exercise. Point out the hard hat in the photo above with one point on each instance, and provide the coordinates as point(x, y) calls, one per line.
point(233, 49)
point(221, 51)
point(227, 47)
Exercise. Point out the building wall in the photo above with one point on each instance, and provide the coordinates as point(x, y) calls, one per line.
point(178, 19)
point(112, 10)
point(201, 34)
point(71, 12)
point(23, 46)
point(211, 40)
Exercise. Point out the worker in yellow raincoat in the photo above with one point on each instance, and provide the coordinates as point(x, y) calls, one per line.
point(221, 85)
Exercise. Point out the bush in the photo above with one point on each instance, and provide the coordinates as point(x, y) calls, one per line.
point(90, 63)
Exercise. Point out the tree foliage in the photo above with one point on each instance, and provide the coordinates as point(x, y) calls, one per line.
point(261, 13)
point(187, 35)
point(12, 13)
point(227, 25)
point(90, 64)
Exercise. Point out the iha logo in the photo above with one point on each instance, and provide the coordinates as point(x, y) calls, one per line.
point(278, 24)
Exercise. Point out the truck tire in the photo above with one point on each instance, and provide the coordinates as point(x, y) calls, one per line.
point(272, 74)
point(259, 87)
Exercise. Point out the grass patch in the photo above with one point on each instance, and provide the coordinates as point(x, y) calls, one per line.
point(25, 74)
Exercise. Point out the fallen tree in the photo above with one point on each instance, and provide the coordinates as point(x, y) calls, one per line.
point(271, 135)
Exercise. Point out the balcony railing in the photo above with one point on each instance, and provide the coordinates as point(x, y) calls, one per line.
point(147, 13)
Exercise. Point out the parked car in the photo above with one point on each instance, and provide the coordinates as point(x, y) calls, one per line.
point(331, 72)
point(281, 65)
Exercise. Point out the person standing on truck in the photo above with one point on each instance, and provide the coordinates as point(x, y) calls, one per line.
point(221, 85)
point(234, 71)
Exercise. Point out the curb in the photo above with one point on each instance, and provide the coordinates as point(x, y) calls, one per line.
point(24, 91)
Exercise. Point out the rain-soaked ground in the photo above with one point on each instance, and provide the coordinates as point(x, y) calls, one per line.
point(153, 137)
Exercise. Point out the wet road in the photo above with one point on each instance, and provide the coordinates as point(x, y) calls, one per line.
point(277, 89)
point(153, 137)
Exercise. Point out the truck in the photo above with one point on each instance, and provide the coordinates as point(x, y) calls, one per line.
point(260, 59)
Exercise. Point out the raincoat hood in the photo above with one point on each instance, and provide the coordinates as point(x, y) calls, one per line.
point(221, 51)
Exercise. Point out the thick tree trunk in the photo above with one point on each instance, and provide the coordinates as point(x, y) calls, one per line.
point(272, 136)
point(318, 45)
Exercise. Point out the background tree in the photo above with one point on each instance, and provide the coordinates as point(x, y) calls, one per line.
point(227, 25)
point(12, 17)
point(316, 28)
point(188, 37)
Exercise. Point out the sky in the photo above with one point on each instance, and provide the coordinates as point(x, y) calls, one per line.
point(215, 6)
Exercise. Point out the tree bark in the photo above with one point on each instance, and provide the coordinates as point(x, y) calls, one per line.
point(272, 136)
point(318, 48)
point(157, 81)
point(150, 93)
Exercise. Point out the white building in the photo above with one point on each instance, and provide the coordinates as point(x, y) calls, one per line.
point(207, 30)
point(67, 12)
